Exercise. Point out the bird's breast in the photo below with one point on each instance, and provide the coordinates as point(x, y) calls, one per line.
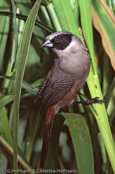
point(78, 67)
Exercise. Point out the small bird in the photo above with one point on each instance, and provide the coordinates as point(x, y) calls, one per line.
point(64, 80)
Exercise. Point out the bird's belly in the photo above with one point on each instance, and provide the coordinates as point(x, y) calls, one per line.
point(69, 98)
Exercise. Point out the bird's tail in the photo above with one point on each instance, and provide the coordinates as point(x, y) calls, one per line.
point(47, 134)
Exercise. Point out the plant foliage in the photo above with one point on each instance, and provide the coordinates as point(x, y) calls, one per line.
point(83, 138)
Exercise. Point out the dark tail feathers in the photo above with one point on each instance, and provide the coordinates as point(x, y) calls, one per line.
point(46, 139)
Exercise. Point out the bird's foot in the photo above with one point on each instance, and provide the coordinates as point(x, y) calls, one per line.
point(91, 101)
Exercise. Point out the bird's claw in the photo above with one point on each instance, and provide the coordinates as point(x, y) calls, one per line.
point(91, 101)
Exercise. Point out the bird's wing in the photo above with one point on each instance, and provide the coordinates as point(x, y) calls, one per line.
point(55, 86)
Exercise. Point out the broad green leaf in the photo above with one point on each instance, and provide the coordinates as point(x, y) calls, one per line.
point(104, 22)
point(25, 42)
point(81, 142)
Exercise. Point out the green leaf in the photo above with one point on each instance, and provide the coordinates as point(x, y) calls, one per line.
point(54, 18)
point(21, 159)
point(66, 17)
point(86, 21)
point(4, 126)
point(109, 93)
point(4, 100)
point(15, 37)
point(25, 42)
point(31, 89)
point(24, 6)
point(4, 29)
point(81, 142)
point(104, 22)
point(23, 17)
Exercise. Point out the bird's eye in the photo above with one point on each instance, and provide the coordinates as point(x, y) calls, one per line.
point(57, 39)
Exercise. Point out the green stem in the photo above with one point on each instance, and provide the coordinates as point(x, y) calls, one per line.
point(23, 17)
point(101, 117)
point(54, 18)
point(9, 149)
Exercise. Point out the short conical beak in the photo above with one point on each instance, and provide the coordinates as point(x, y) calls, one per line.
point(47, 43)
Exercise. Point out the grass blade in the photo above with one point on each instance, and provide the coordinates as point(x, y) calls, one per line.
point(23, 17)
point(86, 21)
point(4, 100)
point(30, 88)
point(25, 42)
point(4, 126)
point(14, 52)
point(66, 17)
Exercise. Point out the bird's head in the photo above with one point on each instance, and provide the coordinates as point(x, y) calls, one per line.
point(63, 43)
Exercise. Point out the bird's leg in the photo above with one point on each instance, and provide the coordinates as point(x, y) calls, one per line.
point(91, 101)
